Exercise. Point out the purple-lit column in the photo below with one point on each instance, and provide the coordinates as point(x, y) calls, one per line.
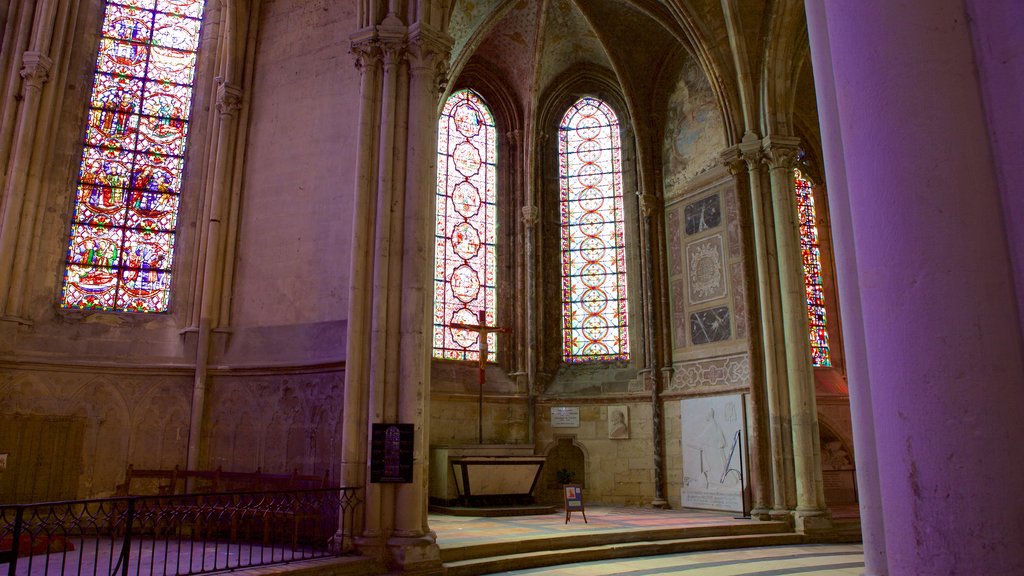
point(934, 282)
point(872, 526)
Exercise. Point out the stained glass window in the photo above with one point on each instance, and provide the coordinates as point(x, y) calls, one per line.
point(594, 318)
point(122, 232)
point(464, 253)
point(812, 271)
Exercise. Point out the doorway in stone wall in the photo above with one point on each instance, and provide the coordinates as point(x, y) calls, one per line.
point(565, 459)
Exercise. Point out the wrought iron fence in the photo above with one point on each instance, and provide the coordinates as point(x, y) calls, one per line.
point(175, 535)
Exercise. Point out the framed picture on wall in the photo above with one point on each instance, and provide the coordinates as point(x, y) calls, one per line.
point(618, 422)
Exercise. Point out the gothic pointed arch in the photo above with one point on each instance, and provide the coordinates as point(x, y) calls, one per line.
point(591, 88)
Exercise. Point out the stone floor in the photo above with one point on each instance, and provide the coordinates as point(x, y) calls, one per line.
point(457, 535)
point(806, 560)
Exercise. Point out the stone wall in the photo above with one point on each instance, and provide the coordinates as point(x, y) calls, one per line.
point(141, 417)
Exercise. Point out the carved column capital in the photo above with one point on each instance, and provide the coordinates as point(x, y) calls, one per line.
point(750, 152)
point(513, 136)
point(366, 50)
point(531, 214)
point(35, 68)
point(429, 51)
point(650, 204)
point(229, 98)
point(733, 161)
point(780, 151)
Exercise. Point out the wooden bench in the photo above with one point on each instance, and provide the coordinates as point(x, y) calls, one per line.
point(220, 496)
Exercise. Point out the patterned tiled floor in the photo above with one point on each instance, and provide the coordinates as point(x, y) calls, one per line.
point(805, 560)
point(454, 531)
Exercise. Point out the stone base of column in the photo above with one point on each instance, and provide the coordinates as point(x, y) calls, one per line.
point(369, 546)
point(415, 555)
point(811, 521)
point(660, 504)
point(780, 514)
point(761, 514)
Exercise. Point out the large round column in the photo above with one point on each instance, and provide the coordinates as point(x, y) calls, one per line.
point(872, 526)
point(942, 337)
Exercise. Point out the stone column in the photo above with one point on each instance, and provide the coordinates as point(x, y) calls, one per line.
point(412, 545)
point(771, 340)
point(857, 376)
point(780, 155)
point(229, 99)
point(355, 428)
point(758, 445)
point(531, 214)
point(943, 344)
point(35, 71)
point(650, 206)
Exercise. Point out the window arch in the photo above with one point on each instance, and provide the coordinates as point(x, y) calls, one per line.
point(464, 235)
point(594, 307)
point(123, 229)
point(811, 250)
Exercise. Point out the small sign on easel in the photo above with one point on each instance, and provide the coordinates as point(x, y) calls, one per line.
point(574, 501)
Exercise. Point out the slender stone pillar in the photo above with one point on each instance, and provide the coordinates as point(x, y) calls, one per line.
point(771, 342)
point(865, 452)
point(355, 428)
point(34, 73)
point(531, 214)
point(412, 545)
point(650, 206)
point(758, 446)
point(229, 98)
point(780, 155)
point(943, 343)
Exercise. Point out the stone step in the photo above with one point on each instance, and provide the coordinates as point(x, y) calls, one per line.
point(570, 541)
point(540, 558)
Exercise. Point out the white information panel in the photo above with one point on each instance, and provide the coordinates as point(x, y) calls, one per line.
point(714, 440)
point(565, 417)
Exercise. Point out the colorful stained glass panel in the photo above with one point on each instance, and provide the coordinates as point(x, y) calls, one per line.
point(122, 58)
point(100, 206)
point(172, 31)
point(594, 307)
point(117, 93)
point(465, 230)
point(110, 129)
point(170, 65)
point(128, 23)
point(122, 238)
point(813, 284)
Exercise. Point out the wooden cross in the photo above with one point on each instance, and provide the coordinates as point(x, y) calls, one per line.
point(483, 330)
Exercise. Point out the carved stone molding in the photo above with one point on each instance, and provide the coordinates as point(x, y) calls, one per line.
point(531, 214)
point(730, 371)
point(229, 97)
point(35, 68)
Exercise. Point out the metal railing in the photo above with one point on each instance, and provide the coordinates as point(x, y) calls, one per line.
point(175, 535)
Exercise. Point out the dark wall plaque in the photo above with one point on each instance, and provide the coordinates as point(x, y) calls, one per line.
point(704, 214)
point(391, 453)
point(710, 325)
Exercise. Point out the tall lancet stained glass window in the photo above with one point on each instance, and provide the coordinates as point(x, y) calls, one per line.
point(594, 317)
point(464, 250)
point(122, 232)
point(812, 271)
